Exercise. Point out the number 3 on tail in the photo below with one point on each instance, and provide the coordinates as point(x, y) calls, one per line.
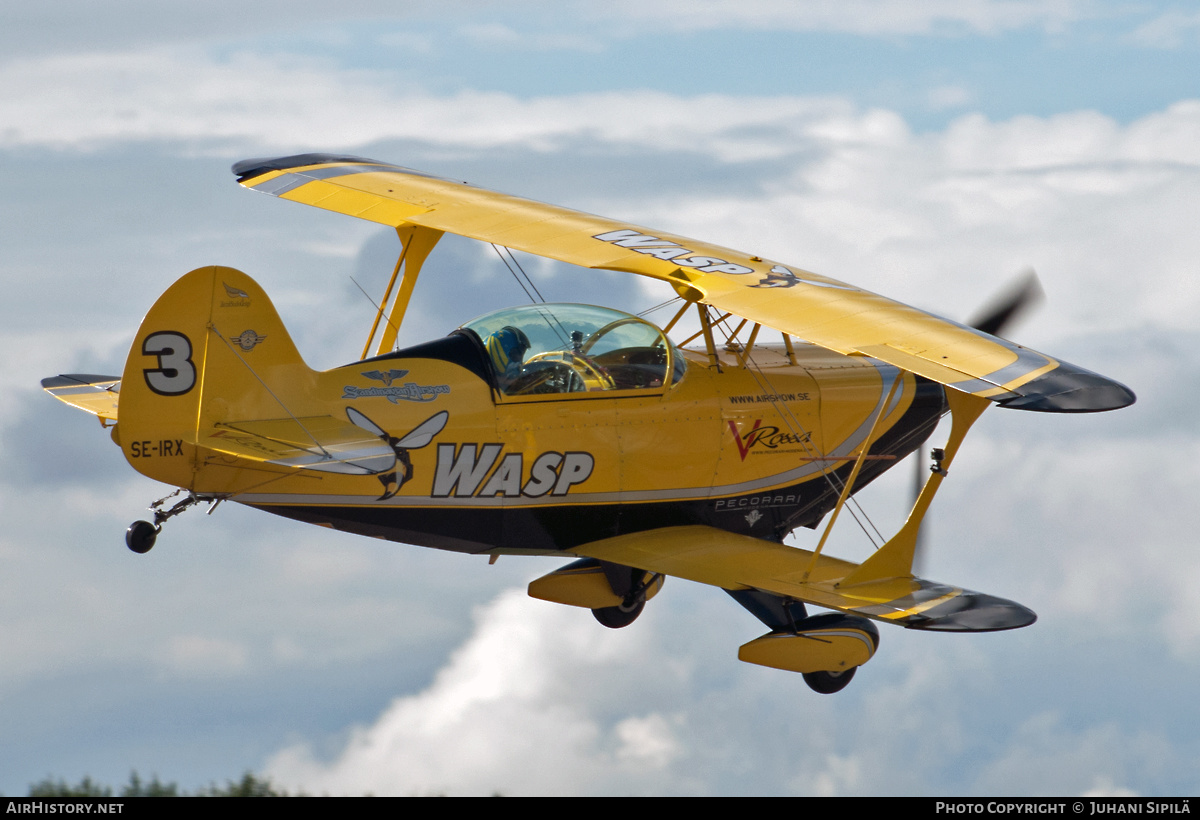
point(175, 374)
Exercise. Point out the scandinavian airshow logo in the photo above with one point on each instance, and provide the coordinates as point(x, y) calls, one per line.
point(765, 439)
point(659, 248)
point(395, 393)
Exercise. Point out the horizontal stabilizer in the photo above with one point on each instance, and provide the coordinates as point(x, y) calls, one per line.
point(321, 443)
point(732, 561)
point(94, 394)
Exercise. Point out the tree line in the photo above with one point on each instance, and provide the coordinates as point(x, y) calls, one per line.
point(250, 785)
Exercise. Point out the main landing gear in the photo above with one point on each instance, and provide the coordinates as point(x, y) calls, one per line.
point(826, 649)
point(634, 586)
point(826, 683)
point(141, 535)
point(615, 617)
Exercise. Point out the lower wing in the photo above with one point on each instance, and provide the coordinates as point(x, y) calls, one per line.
point(739, 562)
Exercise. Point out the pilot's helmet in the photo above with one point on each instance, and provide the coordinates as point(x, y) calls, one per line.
point(507, 347)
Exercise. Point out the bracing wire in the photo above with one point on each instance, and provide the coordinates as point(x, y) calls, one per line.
point(267, 387)
point(523, 279)
point(764, 383)
point(518, 272)
point(516, 276)
point(375, 305)
point(659, 306)
point(528, 279)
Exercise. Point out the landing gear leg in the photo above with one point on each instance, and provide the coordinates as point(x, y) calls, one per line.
point(141, 535)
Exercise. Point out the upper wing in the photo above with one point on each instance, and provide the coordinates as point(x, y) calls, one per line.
point(824, 311)
point(732, 561)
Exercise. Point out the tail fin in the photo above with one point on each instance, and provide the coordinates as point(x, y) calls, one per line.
point(198, 359)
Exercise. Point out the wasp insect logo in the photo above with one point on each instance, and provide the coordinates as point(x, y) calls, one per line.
point(395, 469)
point(765, 439)
point(781, 277)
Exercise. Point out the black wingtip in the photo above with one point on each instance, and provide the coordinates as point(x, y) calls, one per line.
point(248, 169)
point(77, 379)
point(975, 612)
point(1071, 391)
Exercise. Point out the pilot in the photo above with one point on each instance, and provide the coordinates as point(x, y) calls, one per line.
point(506, 348)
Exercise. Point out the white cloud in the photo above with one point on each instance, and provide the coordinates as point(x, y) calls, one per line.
point(1104, 787)
point(541, 700)
point(199, 655)
point(249, 102)
point(520, 708)
point(869, 17)
point(499, 35)
point(526, 23)
point(1168, 30)
point(839, 775)
point(949, 96)
point(648, 740)
point(1048, 758)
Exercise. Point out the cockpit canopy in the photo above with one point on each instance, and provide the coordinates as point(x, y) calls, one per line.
point(568, 348)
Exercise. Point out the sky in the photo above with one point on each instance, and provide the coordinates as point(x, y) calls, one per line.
point(929, 150)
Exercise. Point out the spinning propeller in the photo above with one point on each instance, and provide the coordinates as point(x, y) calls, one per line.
point(1000, 313)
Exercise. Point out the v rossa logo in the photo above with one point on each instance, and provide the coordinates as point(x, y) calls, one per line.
point(765, 439)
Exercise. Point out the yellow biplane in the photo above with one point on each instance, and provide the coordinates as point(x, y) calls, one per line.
point(582, 432)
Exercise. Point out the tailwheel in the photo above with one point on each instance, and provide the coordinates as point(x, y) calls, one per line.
point(827, 683)
point(140, 536)
point(615, 617)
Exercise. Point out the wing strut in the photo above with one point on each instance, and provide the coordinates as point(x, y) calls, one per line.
point(706, 330)
point(895, 558)
point(416, 243)
point(744, 355)
point(677, 317)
